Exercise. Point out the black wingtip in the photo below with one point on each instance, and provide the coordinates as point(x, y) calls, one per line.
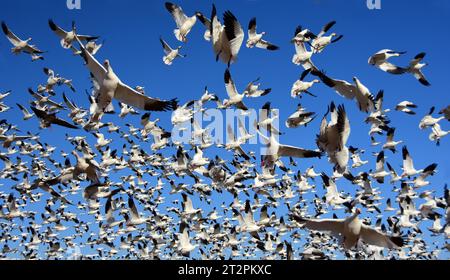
point(420, 55)
point(52, 24)
point(405, 152)
point(227, 76)
point(397, 240)
point(169, 6)
point(273, 48)
point(252, 23)
point(424, 82)
point(298, 219)
point(173, 104)
point(5, 28)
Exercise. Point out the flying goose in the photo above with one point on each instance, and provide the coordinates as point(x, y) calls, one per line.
point(357, 162)
point(21, 45)
point(300, 86)
point(275, 150)
point(364, 97)
point(247, 222)
point(184, 243)
point(380, 173)
point(226, 39)
point(234, 97)
point(44, 100)
point(333, 137)
point(235, 144)
point(171, 54)
point(126, 110)
point(390, 143)
point(378, 116)
point(188, 208)
point(198, 160)
point(255, 39)
point(428, 120)
point(244, 135)
point(415, 68)
point(111, 87)
point(333, 197)
point(379, 60)
point(252, 90)
point(408, 164)
point(437, 133)
point(301, 117)
point(68, 37)
point(53, 80)
point(135, 218)
point(357, 91)
point(320, 42)
point(75, 111)
point(302, 56)
point(206, 23)
point(26, 114)
point(394, 176)
point(14, 211)
point(419, 181)
point(406, 107)
point(351, 230)
point(184, 23)
point(267, 118)
point(46, 120)
point(8, 140)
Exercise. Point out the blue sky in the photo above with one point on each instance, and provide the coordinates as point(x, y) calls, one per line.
point(131, 30)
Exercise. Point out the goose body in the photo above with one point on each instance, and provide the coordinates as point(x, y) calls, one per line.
point(226, 39)
point(351, 230)
point(184, 23)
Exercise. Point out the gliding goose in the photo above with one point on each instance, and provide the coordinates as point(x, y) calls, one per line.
point(111, 87)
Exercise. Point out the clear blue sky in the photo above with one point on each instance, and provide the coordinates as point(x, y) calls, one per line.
point(131, 31)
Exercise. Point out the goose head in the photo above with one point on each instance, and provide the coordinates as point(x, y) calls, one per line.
point(107, 65)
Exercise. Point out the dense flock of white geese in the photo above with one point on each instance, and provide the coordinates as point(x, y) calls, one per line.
point(83, 207)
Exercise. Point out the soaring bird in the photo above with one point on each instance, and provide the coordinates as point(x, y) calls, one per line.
point(171, 54)
point(333, 137)
point(351, 230)
point(22, 45)
point(111, 87)
point(227, 39)
point(68, 37)
point(184, 23)
point(48, 119)
point(379, 60)
point(255, 39)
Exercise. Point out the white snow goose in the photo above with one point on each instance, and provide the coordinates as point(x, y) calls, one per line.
point(226, 39)
point(184, 23)
point(171, 54)
point(68, 37)
point(415, 68)
point(22, 45)
point(406, 107)
point(111, 87)
point(255, 39)
point(321, 41)
point(351, 230)
point(379, 60)
point(234, 97)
